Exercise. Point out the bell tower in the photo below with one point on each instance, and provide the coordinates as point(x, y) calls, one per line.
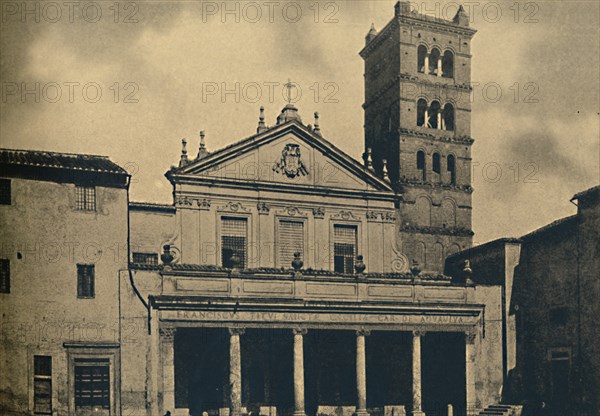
point(418, 123)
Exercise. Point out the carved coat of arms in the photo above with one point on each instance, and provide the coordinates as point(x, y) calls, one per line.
point(290, 164)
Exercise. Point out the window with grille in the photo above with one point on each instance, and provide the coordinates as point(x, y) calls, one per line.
point(146, 258)
point(92, 387)
point(344, 247)
point(86, 198)
point(5, 192)
point(290, 240)
point(85, 281)
point(234, 242)
point(4, 276)
point(42, 385)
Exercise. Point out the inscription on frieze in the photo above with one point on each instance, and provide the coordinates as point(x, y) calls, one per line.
point(211, 316)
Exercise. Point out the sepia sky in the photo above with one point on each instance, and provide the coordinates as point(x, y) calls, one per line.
point(129, 81)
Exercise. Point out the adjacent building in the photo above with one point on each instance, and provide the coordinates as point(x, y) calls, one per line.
point(550, 290)
point(64, 242)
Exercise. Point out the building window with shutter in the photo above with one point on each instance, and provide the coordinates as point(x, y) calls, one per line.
point(291, 240)
point(92, 386)
point(146, 258)
point(344, 248)
point(85, 198)
point(85, 281)
point(42, 385)
point(4, 276)
point(234, 242)
point(5, 192)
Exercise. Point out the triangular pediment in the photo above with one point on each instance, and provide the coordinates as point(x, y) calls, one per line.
point(287, 155)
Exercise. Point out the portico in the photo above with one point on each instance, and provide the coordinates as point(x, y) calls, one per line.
point(310, 351)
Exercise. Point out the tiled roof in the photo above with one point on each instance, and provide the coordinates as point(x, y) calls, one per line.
point(485, 247)
point(70, 161)
point(550, 227)
point(586, 192)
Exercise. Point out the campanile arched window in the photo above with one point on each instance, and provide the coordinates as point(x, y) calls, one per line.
point(435, 63)
point(421, 112)
point(436, 163)
point(434, 114)
point(421, 167)
point(421, 55)
point(451, 166)
point(448, 117)
point(448, 64)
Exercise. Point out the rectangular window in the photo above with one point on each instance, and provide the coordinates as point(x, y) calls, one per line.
point(85, 281)
point(290, 240)
point(234, 242)
point(5, 192)
point(344, 247)
point(42, 385)
point(86, 198)
point(146, 258)
point(4, 276)
point(92, 388)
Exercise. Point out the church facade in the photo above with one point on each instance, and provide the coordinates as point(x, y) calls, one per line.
point(285, 278)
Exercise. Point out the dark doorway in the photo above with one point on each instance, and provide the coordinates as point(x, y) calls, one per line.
point(267, 369)
point(560, 365)
point(329, 368)
point(389, 369)
point(443, 369)
point(201, 368)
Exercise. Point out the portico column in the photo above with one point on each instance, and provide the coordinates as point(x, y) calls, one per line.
point(167, 338)
point(470, 371)
point(361, 372)
point(235, 372)
point(416, 373)
point(299, 371)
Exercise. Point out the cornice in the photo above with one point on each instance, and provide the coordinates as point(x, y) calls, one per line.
point(380, 38)
point(399, 184)
point(407, 77)
point(416, 20)
point(461, 232)
point(285, 188)
point(439, 25)
point(448, 139)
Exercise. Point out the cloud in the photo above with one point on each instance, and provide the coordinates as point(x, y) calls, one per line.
point(172, 52)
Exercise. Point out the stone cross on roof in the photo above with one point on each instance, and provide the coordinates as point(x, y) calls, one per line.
point(289, 87)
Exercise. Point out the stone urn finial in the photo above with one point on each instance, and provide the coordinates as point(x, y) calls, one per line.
point(167, 256)
point(415, 269)
point(360, 265)
point(468, 272)
point(297, 263)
